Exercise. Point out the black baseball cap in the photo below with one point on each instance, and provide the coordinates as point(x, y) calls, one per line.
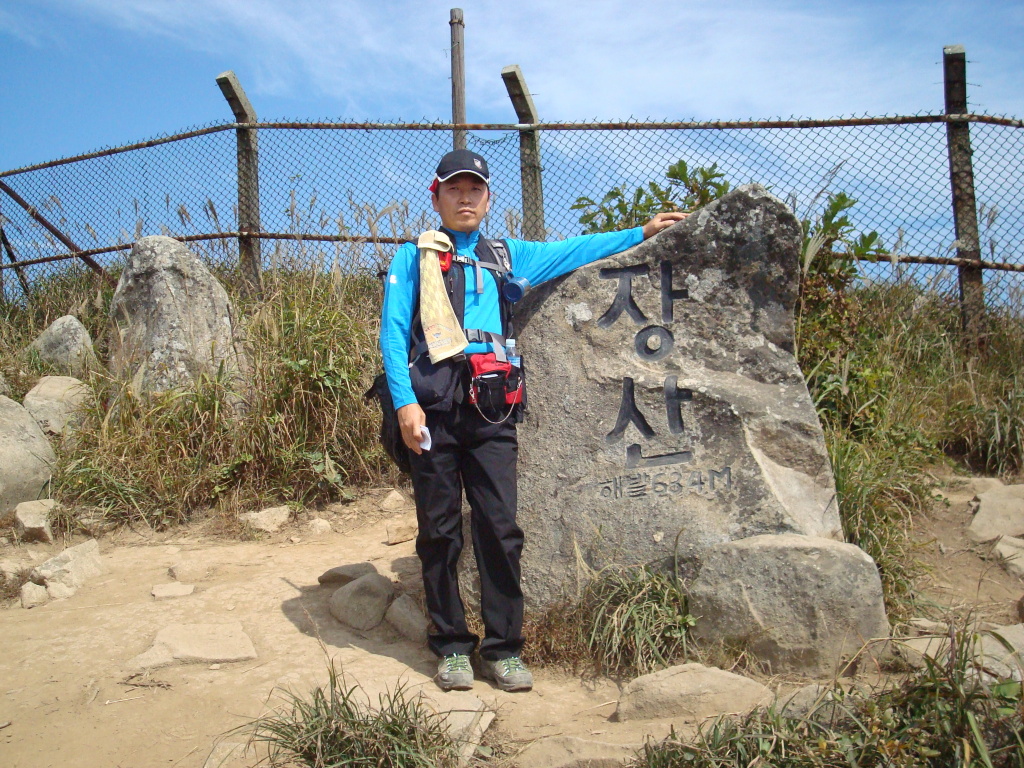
point(460, 161)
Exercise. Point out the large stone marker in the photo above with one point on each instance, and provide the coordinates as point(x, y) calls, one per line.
point(664, 397)
point(173, 320)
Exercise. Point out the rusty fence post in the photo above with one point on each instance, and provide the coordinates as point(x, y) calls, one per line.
point(458, 25)
point(965, 210)
point(529, 153)
point(19, 271)
point(249, 252)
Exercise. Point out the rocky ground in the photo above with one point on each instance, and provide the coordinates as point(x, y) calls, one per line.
point(76, 689)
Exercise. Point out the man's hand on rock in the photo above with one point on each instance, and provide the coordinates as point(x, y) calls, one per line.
point(410, 419)
point(662, 221)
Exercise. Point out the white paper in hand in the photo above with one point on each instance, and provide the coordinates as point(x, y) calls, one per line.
point(425, 443)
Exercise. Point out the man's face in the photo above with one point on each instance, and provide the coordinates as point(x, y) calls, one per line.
point(462, 201)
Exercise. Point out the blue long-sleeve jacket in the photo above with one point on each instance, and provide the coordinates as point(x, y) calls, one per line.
point(537, 262)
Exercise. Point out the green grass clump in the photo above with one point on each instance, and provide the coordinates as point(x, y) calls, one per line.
point(331, 728)
point(626, 622)
point(944, 715)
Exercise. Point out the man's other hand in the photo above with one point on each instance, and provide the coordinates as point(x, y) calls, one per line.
point(662, 221)
point(410, 419)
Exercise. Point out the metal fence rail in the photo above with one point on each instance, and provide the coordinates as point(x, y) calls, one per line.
point(345, 193)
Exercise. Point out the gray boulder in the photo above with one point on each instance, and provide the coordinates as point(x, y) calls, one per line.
point(32, 520)
point(406, 617)
point(26, 458)
point(66, 346)
point(664, 396)
point(692, 691)
point(361, 604)
point(343, 574)
point(63, 574)
point(173, 320)
point(55, 402)
point(799, 604)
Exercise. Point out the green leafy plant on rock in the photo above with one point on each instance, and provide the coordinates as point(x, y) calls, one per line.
point(620, 208)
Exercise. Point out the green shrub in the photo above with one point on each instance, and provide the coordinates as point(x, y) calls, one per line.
point(332, 728)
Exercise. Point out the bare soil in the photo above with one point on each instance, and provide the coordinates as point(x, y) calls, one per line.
point(67, 699)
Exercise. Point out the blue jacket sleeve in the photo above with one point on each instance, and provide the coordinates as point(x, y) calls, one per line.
point(401, 292)
point(538, 262)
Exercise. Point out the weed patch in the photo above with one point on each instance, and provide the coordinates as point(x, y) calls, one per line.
point(944, 715)
point(332, 728)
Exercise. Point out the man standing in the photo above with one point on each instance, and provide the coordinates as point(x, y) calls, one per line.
point(472, 448)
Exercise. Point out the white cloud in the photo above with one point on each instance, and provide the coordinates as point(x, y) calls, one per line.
point(604, 58)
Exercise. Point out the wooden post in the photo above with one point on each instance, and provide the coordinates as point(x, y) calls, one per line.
point(529, 154)
point(965, 210)
point(14, 260)
point(458, 77)
point(249, 257)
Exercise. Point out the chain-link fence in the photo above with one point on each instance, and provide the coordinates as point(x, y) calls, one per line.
point(342, 195)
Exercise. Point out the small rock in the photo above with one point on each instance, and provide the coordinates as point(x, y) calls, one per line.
point(343, 574)
point(406, 617)
point(197, 643)
point(33, 595)
point(214, 667)
point(190, 570)
point(689, 690)
point(56, 403)
point(4, 541)
point(66, 345)
point(69, 570)
point(361, 604)
point(402, 529)
point(269, 520)
point(175, 589)
point(1000, 513)
point(32, 520)
point(9, 570)
point(1010, 550)
point(5, 388)
point(575, 752)
point(396, 501)
point(318, 527)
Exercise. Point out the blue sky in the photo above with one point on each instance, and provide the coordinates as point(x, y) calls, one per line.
point(78, 75)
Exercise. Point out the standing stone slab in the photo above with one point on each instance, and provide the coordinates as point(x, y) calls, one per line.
point(174, 321)
point(26, 458)
point(800, 604)
point(664, 396)
point(66, 346)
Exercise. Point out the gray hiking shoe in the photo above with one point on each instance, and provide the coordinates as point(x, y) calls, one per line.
point(454, 673)
point(510, 674)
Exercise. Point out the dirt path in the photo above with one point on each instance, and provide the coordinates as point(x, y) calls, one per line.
point(63, 666)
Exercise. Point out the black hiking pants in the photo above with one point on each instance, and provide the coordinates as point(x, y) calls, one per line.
point(470, 454)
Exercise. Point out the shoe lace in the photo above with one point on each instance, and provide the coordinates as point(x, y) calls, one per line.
point(511, 665)
point(457, 662)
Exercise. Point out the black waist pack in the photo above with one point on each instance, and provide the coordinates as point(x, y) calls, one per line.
point(390, 432)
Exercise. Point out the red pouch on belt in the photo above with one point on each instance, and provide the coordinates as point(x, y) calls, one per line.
point(493, 382)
